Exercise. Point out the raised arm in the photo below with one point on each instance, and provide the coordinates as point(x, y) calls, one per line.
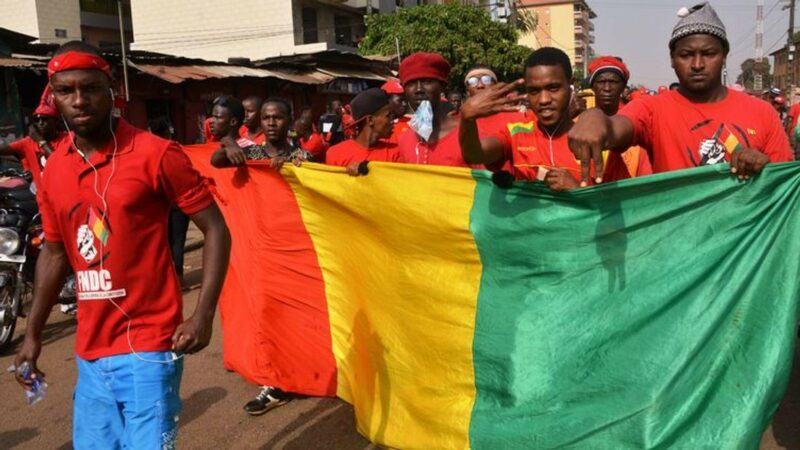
point(495, 99)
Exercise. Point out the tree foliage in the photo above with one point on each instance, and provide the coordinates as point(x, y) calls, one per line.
point(749, 70)
point(464, 35)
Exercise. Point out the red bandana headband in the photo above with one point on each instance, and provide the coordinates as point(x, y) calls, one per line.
point(77, 61)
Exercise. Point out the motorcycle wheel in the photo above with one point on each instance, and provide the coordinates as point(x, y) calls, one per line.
point(8, 310)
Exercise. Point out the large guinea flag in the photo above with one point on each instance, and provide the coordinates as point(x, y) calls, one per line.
point(658, 312)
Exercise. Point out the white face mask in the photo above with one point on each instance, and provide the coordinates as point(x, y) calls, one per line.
point(422, 121)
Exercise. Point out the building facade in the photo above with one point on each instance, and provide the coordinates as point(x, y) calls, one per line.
point(254, 29)
point(57, 21)
point(565, 24)
point(783, 66)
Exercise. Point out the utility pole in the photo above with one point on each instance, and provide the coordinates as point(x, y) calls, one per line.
point(758, 67)
point(790, 48)
point(124, 51)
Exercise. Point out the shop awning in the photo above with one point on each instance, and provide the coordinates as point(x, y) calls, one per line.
point(179, 74)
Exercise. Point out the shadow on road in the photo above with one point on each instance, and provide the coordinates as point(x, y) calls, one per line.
point(786, 423)
point(200, 402)
point(10, 439)
point(52, 332)
point(313, 429)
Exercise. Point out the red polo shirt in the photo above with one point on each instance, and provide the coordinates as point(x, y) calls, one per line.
point(681, 134)
point(350, 151)
point(122, 255)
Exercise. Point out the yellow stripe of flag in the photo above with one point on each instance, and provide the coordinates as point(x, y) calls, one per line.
point(419, 346)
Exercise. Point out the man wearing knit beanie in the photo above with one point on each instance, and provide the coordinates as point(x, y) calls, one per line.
point(700, 123)
point(424, 79)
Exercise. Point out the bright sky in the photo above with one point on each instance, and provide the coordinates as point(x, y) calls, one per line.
point(639, 31)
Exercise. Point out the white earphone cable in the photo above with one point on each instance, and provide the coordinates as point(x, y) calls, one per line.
point(103, 217)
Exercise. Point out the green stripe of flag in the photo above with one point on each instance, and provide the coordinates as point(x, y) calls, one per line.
point(658, 312)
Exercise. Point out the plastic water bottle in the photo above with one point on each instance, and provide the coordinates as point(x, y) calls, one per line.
point(38, 387)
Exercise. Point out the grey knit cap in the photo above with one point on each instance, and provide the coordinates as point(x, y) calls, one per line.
point(699, 19)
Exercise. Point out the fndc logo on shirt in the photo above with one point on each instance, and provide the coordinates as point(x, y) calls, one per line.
point(93, 233)
point(724, 141)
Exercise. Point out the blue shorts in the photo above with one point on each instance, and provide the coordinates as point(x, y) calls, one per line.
point(123, 402)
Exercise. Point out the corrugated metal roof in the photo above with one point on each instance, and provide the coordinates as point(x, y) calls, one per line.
point(352, 73)
point(19, 62)
point(179, 74)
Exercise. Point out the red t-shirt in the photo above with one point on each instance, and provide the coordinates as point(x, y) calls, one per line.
point(487, 126)
point(316, 145)
point(445, 152)
point(794, 114)
point(259, 138)
point(347, 124)
point(350, 151)
point(122, 255)
point(681, 134)
point(527, 149)
point(30, 153)
point(400, 127)
point(633, 162)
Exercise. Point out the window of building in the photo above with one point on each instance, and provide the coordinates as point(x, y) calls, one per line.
point(342, 27)
point(61, 33)
point(310, 34)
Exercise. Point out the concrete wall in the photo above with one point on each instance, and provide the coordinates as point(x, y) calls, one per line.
point(214, 30)
point(62, 14)
point(40, 18)
point(20, 16)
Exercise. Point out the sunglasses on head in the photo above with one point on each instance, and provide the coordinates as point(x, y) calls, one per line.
point(485, 80)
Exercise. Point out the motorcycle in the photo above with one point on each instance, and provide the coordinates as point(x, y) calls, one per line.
point(21, 240)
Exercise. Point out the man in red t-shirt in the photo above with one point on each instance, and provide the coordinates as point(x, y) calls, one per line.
point(608, 76)
point(251, 126)
point(794, 115)
point(43, 135)
point(435, 141)
point(701, 123)
point(535, 149)
point(227, 117)
point(372, 120)
point(309, 140)
point(105, 215)
point(397, 98)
